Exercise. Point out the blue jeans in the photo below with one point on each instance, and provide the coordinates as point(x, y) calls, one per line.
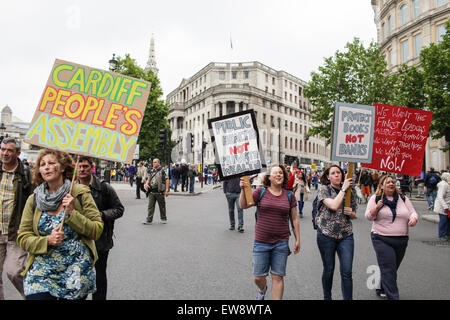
point(443, 226)
point(390, 252)
point(344, 248)
point(233, 199)
point(300, 204)
point(270, 256)
point(191, 184)
point(431, 195)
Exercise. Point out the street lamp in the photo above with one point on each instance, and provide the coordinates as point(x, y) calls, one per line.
point(113, 63)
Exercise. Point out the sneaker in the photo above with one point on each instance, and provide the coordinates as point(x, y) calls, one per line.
point(164, 221)
point(380, 293)
point(147, 222)
point(241, 230)
point(231, 228)
point(261, 294)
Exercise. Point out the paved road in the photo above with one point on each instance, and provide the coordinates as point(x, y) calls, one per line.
point(195, 256)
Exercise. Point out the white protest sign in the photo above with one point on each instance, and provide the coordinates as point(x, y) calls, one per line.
point(236, 144)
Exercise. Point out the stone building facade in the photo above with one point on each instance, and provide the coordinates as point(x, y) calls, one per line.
point(12, 126)
point(282, 112)
point(404, 27)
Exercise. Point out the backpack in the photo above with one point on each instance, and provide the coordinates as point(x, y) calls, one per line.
point(315, 209)
point(263, 191)
point(433, 181)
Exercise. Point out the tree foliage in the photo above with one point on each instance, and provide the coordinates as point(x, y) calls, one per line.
point(156, 111)
point(358, 75)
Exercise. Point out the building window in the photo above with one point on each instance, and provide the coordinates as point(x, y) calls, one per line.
point(383, 34)
point(222, 75)
point(403, 14)
point(440, 2)
point(390, 57)
point(417, 44)
point(416, 8)
point(273, 81)
point(264, 118)
point(440, 32)
point(405, 50)
point(267, 78)
point(234, 74)
point(245, 74)
point(273, 91)
point(389, 26)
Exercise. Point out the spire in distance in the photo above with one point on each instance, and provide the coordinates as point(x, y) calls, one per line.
point(151, 63)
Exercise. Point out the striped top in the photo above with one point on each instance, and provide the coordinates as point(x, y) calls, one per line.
point(272, 224)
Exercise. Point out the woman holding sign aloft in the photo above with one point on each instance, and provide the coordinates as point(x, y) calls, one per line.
point(276, 206)
point(335, 230)
point(392, 213)
point(59, 225)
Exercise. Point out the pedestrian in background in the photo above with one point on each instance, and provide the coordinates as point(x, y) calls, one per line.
point(131, 174)
point(184, 175)
point(110, 207)
point(431, 181)
point(335, 230)
point(15, 187)
point(61, 258)
point(140, 173)
point(301, 190)
point(420, 181)
point(232, 192)
point(176, 176)
point(442, 207)
point(375, 177)
point(392, 213)
point(366, 183)
point(157, 186)
point(271, 245)
point(192, 174)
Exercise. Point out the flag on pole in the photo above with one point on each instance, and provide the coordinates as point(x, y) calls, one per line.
point(231, 43)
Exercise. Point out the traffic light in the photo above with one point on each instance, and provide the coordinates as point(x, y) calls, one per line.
point(162, 138)
point(192, 141)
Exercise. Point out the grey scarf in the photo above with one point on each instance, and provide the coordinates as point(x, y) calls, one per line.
point(47, 201)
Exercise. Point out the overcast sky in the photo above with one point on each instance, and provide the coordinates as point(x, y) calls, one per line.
point(290, 35)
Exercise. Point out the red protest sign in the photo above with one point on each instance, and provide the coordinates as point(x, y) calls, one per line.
point(399, 139)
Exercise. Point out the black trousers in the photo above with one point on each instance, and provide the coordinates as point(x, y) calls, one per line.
point(100, 273)
point(390, 252)
point(138, 187)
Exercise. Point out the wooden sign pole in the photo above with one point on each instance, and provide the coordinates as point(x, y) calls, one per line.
point(70, 191)
point(248, 191)
point(348, 192)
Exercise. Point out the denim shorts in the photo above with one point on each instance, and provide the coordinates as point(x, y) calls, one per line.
point(270, 256)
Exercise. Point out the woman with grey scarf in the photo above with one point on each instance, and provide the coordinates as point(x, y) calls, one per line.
point(61, 258)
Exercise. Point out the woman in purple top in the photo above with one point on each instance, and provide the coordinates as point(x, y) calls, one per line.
point(271, 246)
point(392, 215)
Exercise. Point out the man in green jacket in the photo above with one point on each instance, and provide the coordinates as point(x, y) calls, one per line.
point(15, 187)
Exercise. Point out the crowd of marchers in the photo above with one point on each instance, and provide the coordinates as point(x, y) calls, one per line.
point(57, 220)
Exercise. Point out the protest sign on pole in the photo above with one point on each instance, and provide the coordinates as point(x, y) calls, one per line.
point(236, 145)
point(89, 112)
point(353, 132)
point(353, 128)
point(399, 140)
